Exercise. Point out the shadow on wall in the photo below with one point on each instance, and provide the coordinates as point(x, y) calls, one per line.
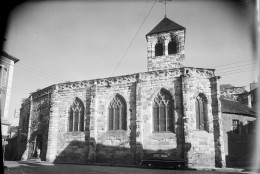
point(240, 146)
point(80, 150)
point(92, 153)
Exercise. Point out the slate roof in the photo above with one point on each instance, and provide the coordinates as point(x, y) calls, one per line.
point(164, 26)
point(234, 107)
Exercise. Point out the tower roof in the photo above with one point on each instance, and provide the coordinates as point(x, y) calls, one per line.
point(164, 26)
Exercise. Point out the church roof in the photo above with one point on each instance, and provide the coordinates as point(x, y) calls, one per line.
point(164, 26)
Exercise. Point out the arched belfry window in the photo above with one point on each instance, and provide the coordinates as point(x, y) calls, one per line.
point(117, 114)
point(159, 49)
point(76, 116)
point(173, 46)
point(163, 112)
point(201, 112)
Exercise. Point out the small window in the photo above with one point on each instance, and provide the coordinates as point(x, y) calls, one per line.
point(159, 49)
point(236, 127)
point(173, 47)
point(201, 112)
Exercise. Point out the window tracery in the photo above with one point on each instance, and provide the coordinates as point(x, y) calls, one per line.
point(163, 112)
point(117, 114)
point(76, 116)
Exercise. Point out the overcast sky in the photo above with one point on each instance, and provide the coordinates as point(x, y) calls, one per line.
point(58, 41)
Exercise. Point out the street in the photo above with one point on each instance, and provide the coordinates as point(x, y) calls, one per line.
point(47, 168)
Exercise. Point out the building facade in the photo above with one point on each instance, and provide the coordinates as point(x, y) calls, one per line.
point(239, 116)
point(169, 108)
point(6, 76)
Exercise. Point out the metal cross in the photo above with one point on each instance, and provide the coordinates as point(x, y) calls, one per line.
point(164, 1)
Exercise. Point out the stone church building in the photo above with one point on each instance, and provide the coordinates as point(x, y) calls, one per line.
point(170, 108)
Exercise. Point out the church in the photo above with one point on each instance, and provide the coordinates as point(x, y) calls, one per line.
point(118, 120)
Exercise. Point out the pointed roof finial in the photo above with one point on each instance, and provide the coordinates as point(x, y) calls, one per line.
point(165, 2)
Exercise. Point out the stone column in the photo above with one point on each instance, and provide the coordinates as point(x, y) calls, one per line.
point(186, 119)
point(166, 41)
point(92, 134)
point(53, 127)
point(217, 123)
point(139, 121)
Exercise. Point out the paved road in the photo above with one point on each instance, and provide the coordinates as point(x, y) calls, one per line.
point(46, 168)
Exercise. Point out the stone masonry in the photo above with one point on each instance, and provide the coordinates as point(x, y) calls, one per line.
point(49, 127)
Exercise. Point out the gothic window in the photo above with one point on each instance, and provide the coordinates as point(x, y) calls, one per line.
point(159, 49)
point(163, 112)
point(76, 116)
point(3, 75)
point(201, 112)
point(173, 47)
point(117, 114)
point(235, 126)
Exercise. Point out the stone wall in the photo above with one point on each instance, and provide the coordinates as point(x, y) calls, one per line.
point(115, 146)
point(150, 85)
point(97, 144)
point(199, 144)
point(69, 146)
point(165, 61)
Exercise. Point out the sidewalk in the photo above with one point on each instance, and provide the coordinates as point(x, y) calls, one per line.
point(13, 164)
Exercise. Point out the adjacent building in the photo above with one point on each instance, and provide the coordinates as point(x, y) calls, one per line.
point(238, 115)
point(6, 76)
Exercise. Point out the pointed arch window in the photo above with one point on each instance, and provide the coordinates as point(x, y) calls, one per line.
point(173, 46)
point(117, 114)
point(201, 112)
point(163, 112)
point(159, 49)
point(76, 116)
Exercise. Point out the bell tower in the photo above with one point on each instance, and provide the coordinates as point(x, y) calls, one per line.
point(165, 46)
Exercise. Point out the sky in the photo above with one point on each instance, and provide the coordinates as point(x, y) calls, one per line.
point(59, 41)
